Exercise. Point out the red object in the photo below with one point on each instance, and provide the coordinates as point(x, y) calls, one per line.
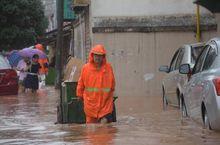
point(8, 78)
point(217, 85)
point(96, 86)
point(8, 82)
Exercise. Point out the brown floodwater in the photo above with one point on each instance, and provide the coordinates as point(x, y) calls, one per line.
point(30, 119)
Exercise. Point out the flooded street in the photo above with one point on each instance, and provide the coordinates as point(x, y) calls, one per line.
point(30, 119)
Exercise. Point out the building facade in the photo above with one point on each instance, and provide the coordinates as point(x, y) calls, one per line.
point(50, 12)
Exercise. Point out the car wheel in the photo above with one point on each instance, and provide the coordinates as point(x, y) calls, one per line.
point(206, 119)
point(165, 103)
point(183, 107)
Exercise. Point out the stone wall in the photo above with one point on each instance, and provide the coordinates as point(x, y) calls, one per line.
point(153, 23)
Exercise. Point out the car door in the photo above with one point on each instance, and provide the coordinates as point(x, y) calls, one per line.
point(192, 94)
point(207, 82)
point(170, 81)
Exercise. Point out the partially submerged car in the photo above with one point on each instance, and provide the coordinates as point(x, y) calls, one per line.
point(201, 95)
point(173, 82)
point(8, 78)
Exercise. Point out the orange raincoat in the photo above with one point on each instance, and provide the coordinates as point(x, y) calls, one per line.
point(96, 86)
point(43, 61)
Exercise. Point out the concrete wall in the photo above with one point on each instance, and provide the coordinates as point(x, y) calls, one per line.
point(117, 8)
point(136, 58)
point(217, 17)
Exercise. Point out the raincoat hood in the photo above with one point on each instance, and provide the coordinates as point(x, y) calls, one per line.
point(97, 49)
point(40, 47)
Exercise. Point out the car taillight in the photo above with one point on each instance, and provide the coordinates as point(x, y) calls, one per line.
point(217, 85)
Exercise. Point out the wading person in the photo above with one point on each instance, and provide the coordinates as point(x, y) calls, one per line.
point(43, 71)
point(31, 81)
point(22, 67)
point(96, 86)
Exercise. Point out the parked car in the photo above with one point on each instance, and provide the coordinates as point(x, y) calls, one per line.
point(8, 78)
point(173, 82)
point(201, 94)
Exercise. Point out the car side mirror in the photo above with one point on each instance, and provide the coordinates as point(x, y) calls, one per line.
point(164, 68)
point(185, 69)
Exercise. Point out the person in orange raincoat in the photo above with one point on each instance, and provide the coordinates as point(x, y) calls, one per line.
point(44, 66)
point(96, 86)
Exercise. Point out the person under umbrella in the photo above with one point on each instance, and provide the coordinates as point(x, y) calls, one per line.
point(22, 68)
point(31, 81)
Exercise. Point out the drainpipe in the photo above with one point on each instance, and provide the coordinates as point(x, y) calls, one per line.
point(198, 34)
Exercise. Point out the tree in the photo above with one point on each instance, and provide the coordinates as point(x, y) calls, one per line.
point(21, 23)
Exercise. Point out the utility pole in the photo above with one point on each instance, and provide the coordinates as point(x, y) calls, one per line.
point(198, 31)
point(59, 55)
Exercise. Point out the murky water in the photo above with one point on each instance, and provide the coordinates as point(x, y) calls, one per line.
point(30, 119)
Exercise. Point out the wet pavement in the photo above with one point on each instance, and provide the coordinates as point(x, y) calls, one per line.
point(30, 119)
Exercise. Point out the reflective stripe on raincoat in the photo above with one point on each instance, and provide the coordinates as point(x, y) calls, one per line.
point(96, 86)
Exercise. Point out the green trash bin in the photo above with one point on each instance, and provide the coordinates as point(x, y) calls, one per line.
point(70, 91)
point(76, 112)
point(73, 112)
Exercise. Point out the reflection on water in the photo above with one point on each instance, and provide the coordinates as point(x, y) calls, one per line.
point(30, 119)
point(94, 134)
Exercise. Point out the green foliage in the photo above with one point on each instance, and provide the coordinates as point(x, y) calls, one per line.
point(21, 22)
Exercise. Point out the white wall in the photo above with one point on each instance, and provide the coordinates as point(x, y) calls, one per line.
point(106, 8)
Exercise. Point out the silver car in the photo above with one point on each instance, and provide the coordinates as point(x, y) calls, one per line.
point(173, 82)
point(201, 95)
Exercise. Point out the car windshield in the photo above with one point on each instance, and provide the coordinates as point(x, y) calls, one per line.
point(195, 51)
point(3, 63)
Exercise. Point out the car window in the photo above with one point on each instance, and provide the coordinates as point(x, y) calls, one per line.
point(211, 55)
point(200, 60)
point(195, 52)
point(179, 59)
point(3, 63)
point(173, 62)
